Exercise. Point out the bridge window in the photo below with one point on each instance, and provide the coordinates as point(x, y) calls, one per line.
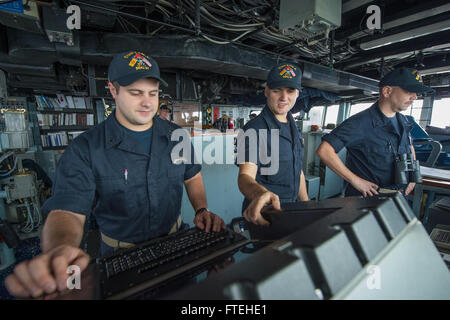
point(316, 115)
point(331, 115)
point(415, 111)
point(358, 107)
point(440, 116)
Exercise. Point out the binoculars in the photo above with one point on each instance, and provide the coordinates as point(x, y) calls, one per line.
point(407, 169)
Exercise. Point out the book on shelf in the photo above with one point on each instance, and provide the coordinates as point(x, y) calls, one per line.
point(40, 118)
point(55, 103)
point(42, 104)
point(59, 139)
point(88, 102)
point(64, 119)
point(80, 103)
point(54, 139)
point(90, 119)
point(62, 101)
point(70, 103)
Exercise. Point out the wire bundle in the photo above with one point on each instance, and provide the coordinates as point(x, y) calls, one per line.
point(220, 22)
point(34, 218)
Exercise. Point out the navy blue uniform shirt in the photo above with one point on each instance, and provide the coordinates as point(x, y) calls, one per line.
point(133, 195)
point(371, 141)
point(286, 182)
point(143, 137)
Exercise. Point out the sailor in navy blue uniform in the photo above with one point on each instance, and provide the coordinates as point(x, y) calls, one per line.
point(375, 137)
point(123, 172)
point(264, 182)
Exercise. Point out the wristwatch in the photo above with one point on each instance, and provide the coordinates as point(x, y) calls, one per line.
point(200, 210)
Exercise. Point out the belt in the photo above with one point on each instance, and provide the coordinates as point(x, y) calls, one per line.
point(122, 244)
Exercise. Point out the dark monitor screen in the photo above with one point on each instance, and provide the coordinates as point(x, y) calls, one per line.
point(286, 222)
point(347, 248)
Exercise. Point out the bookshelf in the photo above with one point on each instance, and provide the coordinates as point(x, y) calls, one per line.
point(51, 129)
point(62, 118)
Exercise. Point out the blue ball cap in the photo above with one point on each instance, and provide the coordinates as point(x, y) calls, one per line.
point(285, 75)
point(163, 106)
point(406, 78)
point(131, 66)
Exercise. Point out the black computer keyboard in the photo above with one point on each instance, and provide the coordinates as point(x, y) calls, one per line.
point(150, 263)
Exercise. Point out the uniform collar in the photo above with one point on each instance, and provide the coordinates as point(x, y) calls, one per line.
point(162, 127)
point(269, 117)
point(273, 123)
point(380, 119)
point(114, 133)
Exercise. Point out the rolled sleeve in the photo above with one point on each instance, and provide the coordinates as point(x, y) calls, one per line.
point(191, 170)
point(74, 186)
point(335, 142)
point(346, 134)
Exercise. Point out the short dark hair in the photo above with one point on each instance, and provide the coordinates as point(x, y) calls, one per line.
point(116, 85)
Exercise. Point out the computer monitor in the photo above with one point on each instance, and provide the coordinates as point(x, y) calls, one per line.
point(355, 248)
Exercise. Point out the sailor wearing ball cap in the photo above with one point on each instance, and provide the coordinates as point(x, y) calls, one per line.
point(287, 183)
point(376, 137)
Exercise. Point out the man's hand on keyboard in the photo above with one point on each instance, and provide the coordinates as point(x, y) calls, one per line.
point(46, 272)
point(206, 219)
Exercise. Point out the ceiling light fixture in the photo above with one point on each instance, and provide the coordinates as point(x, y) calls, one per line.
point(406, 35)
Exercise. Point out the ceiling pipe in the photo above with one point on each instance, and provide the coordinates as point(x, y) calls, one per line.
point(406, 35)
point(396, 21)
point(422, 43)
